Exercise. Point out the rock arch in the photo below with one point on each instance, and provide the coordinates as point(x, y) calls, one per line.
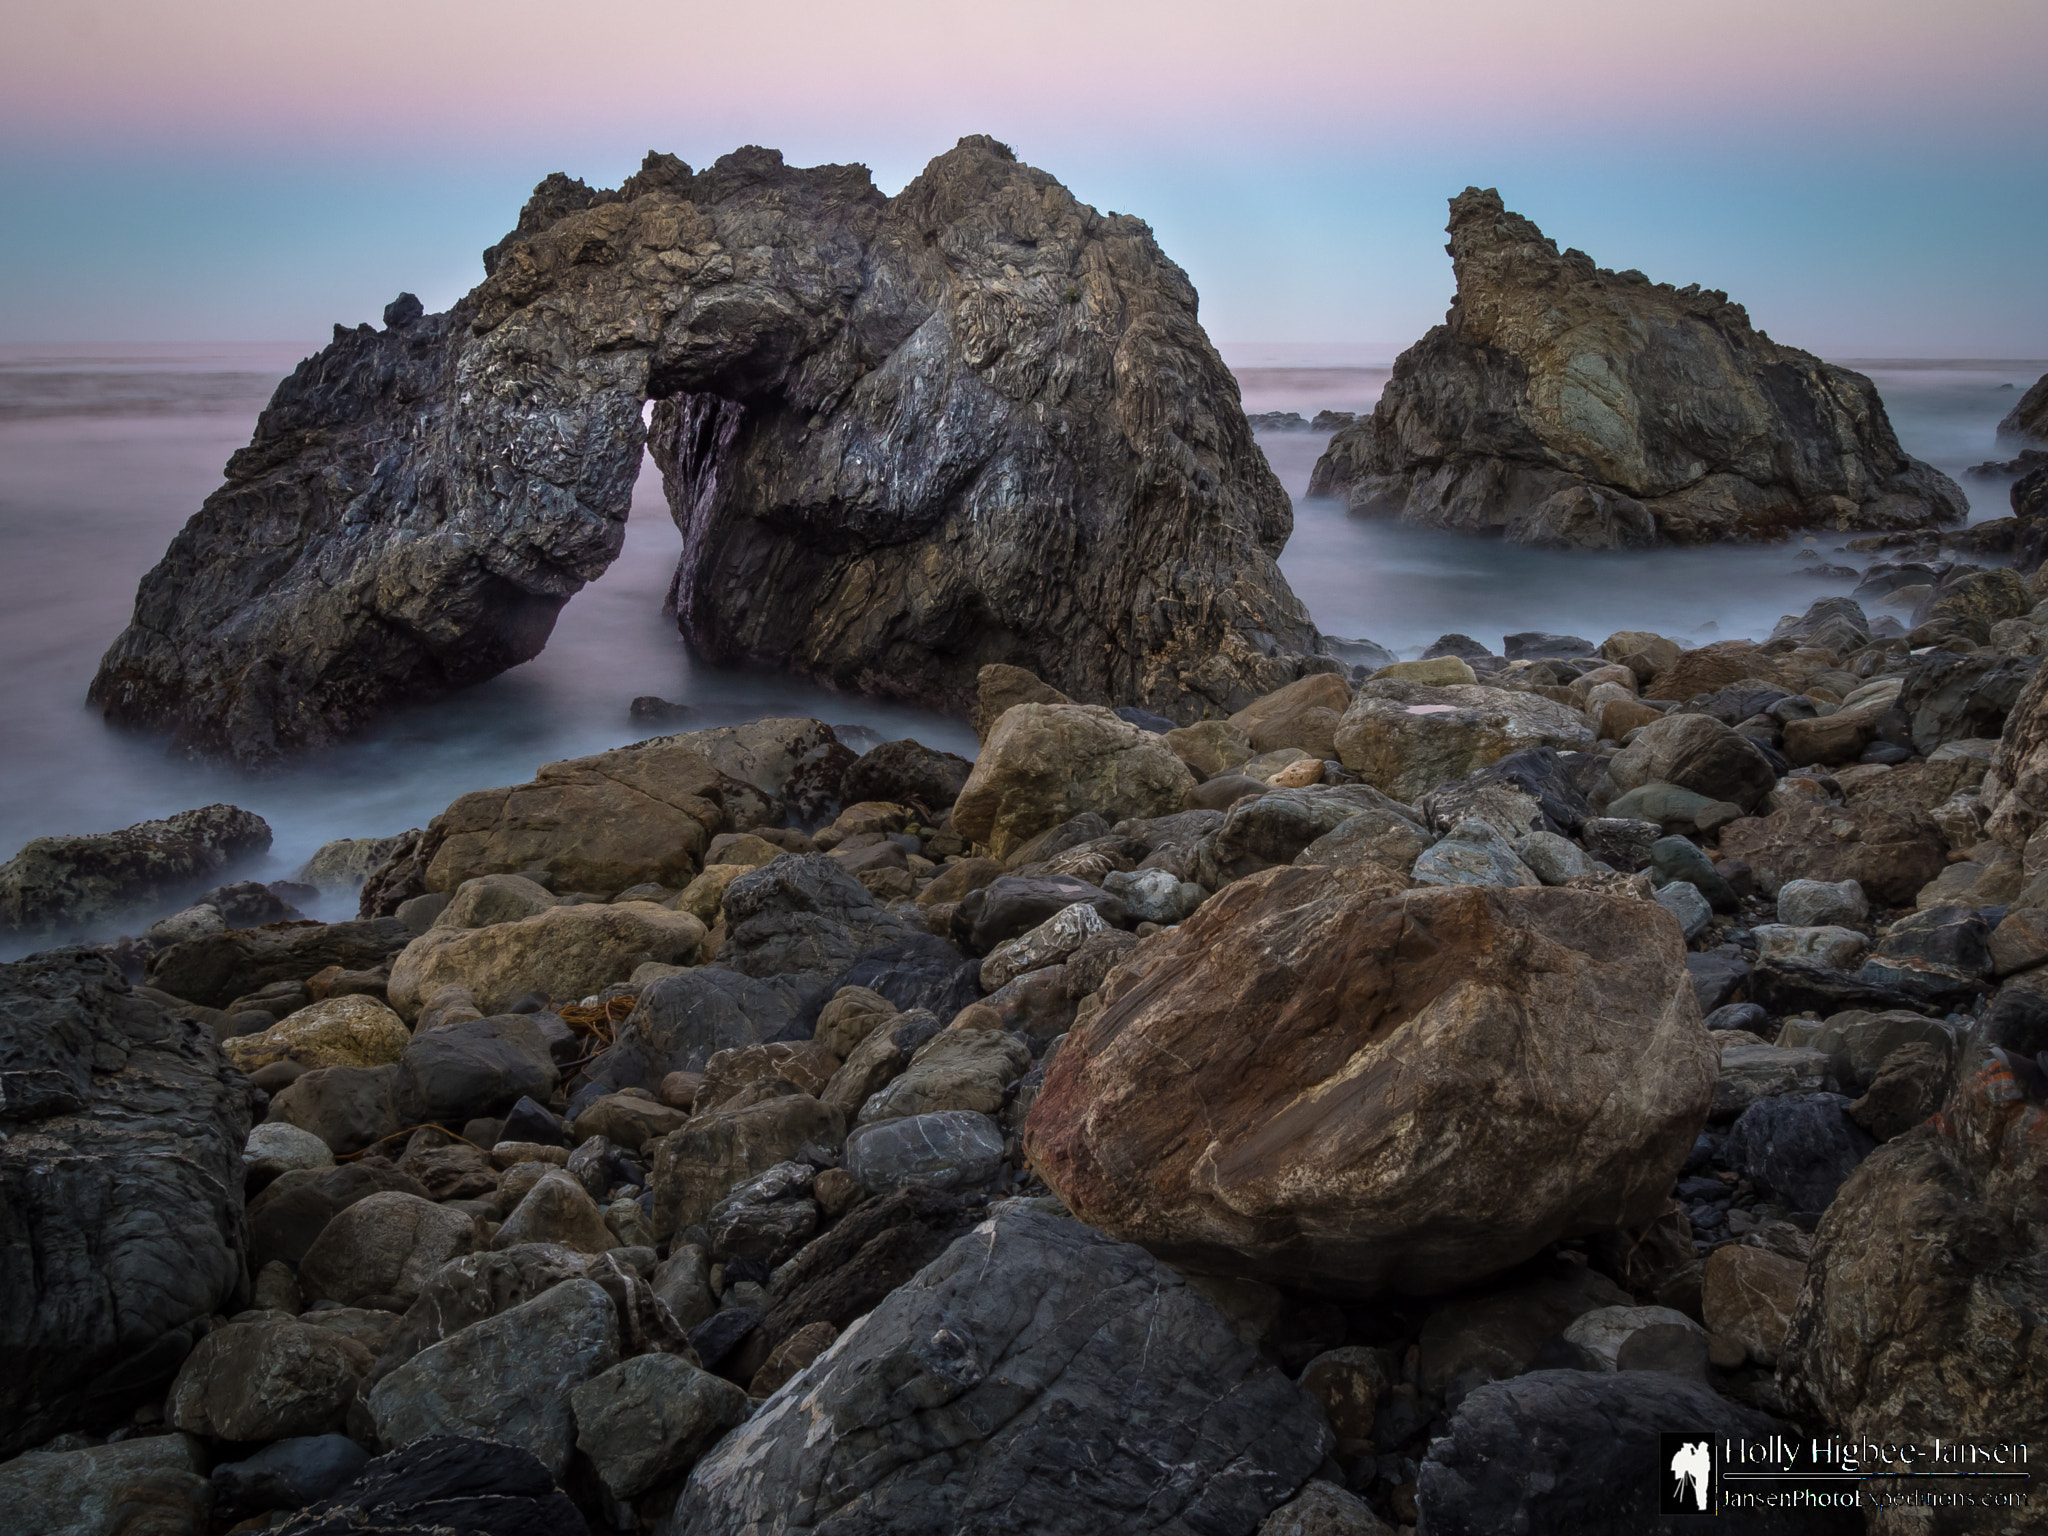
point(901, 437)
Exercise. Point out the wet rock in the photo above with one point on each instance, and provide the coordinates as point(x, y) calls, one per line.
point(1554, 1452)
point(949, 1149)
point(508, 1378)
point(564, 953)
point(445, 1482)
point(1244, 1008)
point(353, 1031)
point(151, 1486)
point(1406, 738)
point(475, 1067)
point(217, 968)
point(267, 1380)
point(906, 772)
point(384, 1245)
point(1127, 1369)
point(648, 1419)
point(1043, 763)
point(121, 1173)
point(62, 882)
point(1799, 1147)
point(289, 1474)
point(1716, 431)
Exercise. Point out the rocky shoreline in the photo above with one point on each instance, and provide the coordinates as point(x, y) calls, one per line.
point(1386, 1109)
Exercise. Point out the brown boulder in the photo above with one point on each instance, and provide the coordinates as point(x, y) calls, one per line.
point(1304, 714)
point(1047, 763)
point(1830, 739)
point(1747, 1297)
point(1710, 669)
point(694, 1168)
point(1322, 1082)
point(1889, 853)
point(1921, 1315)
point(1000, 688)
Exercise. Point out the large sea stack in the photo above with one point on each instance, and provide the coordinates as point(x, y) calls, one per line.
point(1565, 405)
point(903, 438)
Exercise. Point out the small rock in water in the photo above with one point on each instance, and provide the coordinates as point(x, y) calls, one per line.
point(650, 709)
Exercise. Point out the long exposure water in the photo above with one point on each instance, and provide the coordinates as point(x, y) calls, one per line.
point(105, 451)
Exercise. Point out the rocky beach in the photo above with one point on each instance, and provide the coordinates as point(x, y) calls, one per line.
point(1042, 1034)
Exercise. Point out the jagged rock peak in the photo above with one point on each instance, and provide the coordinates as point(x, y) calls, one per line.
point(1564, 404)
point(903, 438)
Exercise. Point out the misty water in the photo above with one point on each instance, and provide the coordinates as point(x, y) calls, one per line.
point(105, 451)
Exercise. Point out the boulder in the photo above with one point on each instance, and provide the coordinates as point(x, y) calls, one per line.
point(385, 1245)
point(1406, 738)
point(647, 1420)
point(152, 1486)
point(1838, 949)
point(266, 1380)
point(344, 863)
point(1384, 838)
point(70, 881)
point(488, 899)
point(626, 1119)
point(509, 1378)
point(1516, 417)
point(1048, 944)
point(957, 1069)
point(1043, 763)
point(999, 688)
point(349, 1108)
point(120, 1194)
point(950, 1149)
point(1699, 753)
point(1304, 714)
point(445, 1482)
point(295, 1208)
point(454, 1073)
point(351, 1031)
point(905, 772)
point(1015, 904)
point(1472, 853)
point(1257, 833)
point(680, 1022)
point(1747, 1296)
point(1324, 1509)
point(1210, 747)
point(1040, 1346)
point(842, 1275)
point(693, 1168)
point(803, 913)
point(556, 1211)
point(215, 969)
point(1890, 856)
point(280, 1148)
point(1799, 1148)
point(564, 954)
point(1952, 698)
point(1631, 1338)
point(1578, 1453)
point(1818, 903)
point(1308, 1019)
point(882, 1054)
point(289, 1474)
point(1916, 1319)
point(1752, 1073)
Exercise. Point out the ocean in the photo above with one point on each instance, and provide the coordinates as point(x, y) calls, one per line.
point(106, 450)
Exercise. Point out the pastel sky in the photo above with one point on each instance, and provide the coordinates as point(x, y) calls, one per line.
point(1867, 175)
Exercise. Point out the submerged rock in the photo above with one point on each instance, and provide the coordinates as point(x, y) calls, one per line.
point(1564, 405)
point(981, 423)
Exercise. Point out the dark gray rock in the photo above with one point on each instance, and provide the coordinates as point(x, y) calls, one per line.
point(802, 912)
point(1952, 698)
point(507, 1378)
point(680, 1022)
point(1716, 431)
point(217, 968)
point(1549, 777)
point(288, 1474)
point(851, 388)
point(349, 1108)
point(1718, 975)
point(458, 1072)
point(1621, 841)
point(718, 1336)
point(1941, 955)
point(151, 1485)
point(1036, 1377)
point(2027, 421)
point(1799, 1147)
point(1145, 719)
point(1681, 859)
point(906, 773)
point(923, 971)
point(1014, 904)
point(1571, 1453)
point(121, 1229)
point(295, 1207)
point(949, 1149)
point(1534, 645)
point(470, 1486)
point(869, 1252)
point(1258, 833)
point(1797, 986)
point(648, 1419)
point(64, 882)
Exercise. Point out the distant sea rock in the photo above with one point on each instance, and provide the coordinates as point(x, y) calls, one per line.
point(2027, 422)
point(1564, 405)
point(902, 439)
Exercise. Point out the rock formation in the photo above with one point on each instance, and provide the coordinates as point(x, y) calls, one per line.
point(2027, 422)
point(903, 438)
point(1565, 405)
